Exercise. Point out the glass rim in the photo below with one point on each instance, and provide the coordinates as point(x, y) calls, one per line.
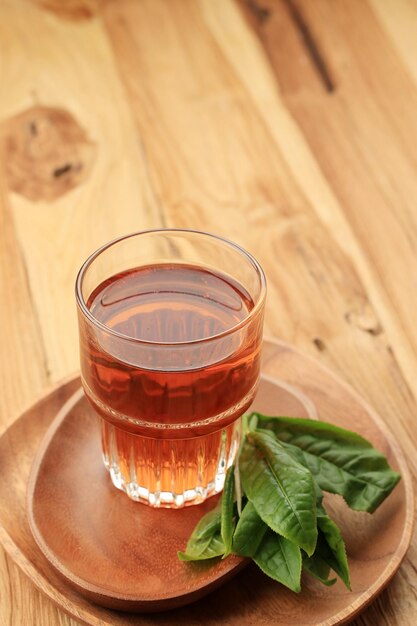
point(168, 231)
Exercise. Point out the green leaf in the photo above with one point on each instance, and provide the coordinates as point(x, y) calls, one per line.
point(249, 532)
point(284, 465)
point(280, 559)
point(244, 424)
point(281, 489)
point(226, 521)
point(318, 568)
point(252, 421)
point(341, 461)
point(238, 489)
point(206, 541)
point(331, 547)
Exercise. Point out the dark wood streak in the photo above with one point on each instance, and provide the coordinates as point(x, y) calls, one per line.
point(311, 46)
point(259, 14)
point(319, 344)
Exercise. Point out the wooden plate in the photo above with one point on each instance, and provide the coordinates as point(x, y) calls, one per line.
point(376, 544)
point(116, 552)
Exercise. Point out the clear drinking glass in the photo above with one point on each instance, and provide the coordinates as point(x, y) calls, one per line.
point(170, 328)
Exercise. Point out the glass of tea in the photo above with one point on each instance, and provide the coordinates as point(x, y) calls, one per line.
point(170, 338)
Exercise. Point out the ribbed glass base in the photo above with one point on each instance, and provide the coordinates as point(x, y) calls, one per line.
point(169, 473)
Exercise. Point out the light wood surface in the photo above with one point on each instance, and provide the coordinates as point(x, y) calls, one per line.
point(286, 125)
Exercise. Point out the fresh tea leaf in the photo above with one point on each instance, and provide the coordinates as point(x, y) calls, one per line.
point(206, 541)
point(280, 559)
point(301, 426)
point(238, 488)
point(249, 532)
point(284, 464)
point(318, 568)
point(252, 421)
point(331, 547)
point(341, 461)
point(281, 489)
point(226, 520)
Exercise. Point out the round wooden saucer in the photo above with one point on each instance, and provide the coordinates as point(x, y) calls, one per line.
point(119, 553)
point(144, 569)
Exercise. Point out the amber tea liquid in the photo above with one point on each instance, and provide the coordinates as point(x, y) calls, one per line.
point(168, 394)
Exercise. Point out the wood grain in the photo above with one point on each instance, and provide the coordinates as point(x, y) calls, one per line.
point(262, 204)
point(217, 115)
point(354, 131)
point(116, 198)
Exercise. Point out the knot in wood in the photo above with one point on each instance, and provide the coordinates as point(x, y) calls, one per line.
point(46, 153)
point(73, 10)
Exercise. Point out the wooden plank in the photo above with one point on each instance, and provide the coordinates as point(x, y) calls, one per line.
point(63, 104)
point(66, 110)
point(219, 134)
point(363, 131)
point(23, 373)
point(398, 18)
point(22, 604)
point(23, 369)
point(259, 81)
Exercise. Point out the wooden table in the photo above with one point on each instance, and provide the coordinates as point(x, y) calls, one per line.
point(289, 126)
